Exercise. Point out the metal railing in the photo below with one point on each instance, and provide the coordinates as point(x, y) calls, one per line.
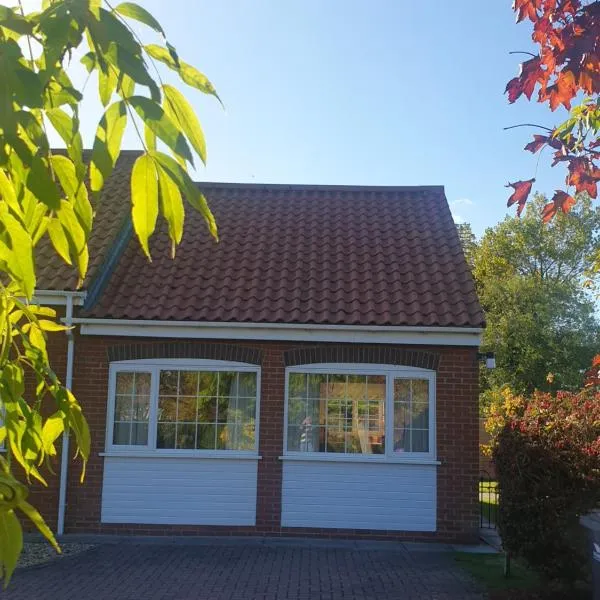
point(488, 501)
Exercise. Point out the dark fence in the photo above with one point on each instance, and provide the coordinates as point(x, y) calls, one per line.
point(488, 501)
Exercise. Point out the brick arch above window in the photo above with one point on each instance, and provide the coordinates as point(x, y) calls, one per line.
point(226, 352)
point(380, 355)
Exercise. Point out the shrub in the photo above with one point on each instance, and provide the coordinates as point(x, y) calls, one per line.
point(547, 459)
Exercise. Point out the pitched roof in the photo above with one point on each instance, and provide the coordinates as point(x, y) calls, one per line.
point(298, 254)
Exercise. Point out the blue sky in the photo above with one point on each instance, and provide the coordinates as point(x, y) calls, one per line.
point(386, 92)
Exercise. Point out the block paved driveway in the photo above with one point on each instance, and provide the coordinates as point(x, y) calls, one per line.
point(248, 571)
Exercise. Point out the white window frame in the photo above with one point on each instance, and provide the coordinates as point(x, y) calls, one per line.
point(390, 372)
point(154, 366)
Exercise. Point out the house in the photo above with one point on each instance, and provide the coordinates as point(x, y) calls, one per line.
point(313, 373)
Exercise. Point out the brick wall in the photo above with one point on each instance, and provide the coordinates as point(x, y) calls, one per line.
point(457, 443)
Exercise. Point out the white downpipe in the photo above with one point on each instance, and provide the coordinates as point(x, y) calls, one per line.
point(64, 457)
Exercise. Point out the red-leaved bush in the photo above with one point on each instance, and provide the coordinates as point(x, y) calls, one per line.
point(547, 460)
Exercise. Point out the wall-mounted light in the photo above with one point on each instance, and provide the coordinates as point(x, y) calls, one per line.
point(489, 357)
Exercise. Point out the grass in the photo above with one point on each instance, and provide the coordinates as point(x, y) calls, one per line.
point(489, 570)
point(523, 584)
point(488, 500)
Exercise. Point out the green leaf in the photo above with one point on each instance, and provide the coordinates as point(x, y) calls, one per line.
point(109, 31)
point(149, 138)
point(59, 240)
point(37, 340)
point(40, 183)
point(133, 66)
point(107, 83)
point(194, 78)
point(192, 193)
point(47, 325)
point(89, 61)
point(133, 11)
point(75, 190)
point(15, 22)
point(67, 128)
point(52, 429)
point(125, 86)
point(180, 111)
point(21, 265)
point(37, 519)
point(188, 74)
point(161, 54)
point(76, 236)
point(107, 144)
point(144, 198)
point(11, 543)
point(33, 128)
point(8, 194)
point(172, 205)
point(155, 118)
point(79, 426)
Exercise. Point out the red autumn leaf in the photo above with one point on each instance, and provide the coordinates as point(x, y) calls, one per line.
point(521, 193)
point(561, 201)
point(589, 77)
point(566, 67)
point(526, 9)
point(584, 176)
point(525, 83)
point(539, 141)
point(548, 212)
point(562, 92)
point(592, 376)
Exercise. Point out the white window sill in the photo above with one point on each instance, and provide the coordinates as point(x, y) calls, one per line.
point(378, 459)
point(189, 455)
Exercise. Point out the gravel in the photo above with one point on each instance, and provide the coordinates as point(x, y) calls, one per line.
point(37, 553)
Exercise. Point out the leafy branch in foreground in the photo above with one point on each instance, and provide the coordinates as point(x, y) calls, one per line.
point(43, 193)
point(566, 66)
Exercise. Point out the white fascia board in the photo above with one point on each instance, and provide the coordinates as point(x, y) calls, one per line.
point(444, 336)
point(57, 297)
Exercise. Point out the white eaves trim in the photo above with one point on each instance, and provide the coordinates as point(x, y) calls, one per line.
point(439, 336)
point(57, 297)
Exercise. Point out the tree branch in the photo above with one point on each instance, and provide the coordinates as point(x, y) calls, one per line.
point(527, 125)
point(523, 52)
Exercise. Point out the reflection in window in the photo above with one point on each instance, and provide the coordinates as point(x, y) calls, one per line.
point(336, 413)
point(206, 410)
point(346, 413)
point(411, 415)
point(132, 408)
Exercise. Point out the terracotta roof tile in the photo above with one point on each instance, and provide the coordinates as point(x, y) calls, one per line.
point(305, 255)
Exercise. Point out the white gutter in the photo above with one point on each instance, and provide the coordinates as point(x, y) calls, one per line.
point(64, 457)
point(458, 336)
point(58, 297)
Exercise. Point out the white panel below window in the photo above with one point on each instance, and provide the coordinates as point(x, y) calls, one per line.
point(392, 497)
point(175, 491)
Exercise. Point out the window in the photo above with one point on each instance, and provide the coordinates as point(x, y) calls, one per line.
point(360, 410)
point(171, 406)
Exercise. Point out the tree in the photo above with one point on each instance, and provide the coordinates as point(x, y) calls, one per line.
point(43, 193)
point(468, 242)
point(565, 68)
point(540, 321)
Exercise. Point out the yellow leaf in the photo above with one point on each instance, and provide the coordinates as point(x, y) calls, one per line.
point(144, 198)
point(11, 543)
point(38, 521)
